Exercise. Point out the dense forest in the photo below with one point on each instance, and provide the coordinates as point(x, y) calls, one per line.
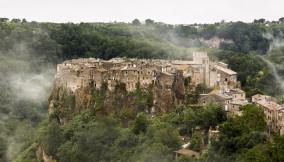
point(29, 52)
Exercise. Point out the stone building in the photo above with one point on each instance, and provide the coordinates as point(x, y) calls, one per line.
point(131, 71)
point(167, 76)
point(231, 100)
point(273, 112)
point(223, 77)
point(198, 69)
point(81, 75)
point(215, 98)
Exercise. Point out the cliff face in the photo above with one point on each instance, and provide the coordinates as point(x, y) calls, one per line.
point(64, 102)
point(117, 87)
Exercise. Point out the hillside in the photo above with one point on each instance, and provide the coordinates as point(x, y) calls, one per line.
point(29, 52)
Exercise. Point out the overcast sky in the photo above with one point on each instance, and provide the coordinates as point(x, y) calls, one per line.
point(168, 11)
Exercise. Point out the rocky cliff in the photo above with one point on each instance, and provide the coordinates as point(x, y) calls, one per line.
point(118, 87)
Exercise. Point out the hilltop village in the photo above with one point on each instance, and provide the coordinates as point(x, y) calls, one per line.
point(166, 75)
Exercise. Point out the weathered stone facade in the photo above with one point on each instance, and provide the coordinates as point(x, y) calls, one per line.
point(79, 76)
point(274, 113)
point(78, 73)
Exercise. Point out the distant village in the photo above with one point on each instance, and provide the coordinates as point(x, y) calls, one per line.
point(77, 73)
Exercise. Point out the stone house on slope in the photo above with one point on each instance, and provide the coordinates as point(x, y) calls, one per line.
point(274, 113)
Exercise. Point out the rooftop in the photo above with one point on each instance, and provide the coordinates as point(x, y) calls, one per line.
point(239, 102)
point(187, 152)
point(225, 70)
point(271, 105)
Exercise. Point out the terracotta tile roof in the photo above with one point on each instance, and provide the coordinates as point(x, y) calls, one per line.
point(225, 70)
point(187, 152)
point(271, 105)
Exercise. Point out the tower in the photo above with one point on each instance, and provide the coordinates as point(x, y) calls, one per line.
point(202, 59)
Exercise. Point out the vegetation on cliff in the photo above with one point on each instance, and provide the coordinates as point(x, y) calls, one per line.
point(29, 52)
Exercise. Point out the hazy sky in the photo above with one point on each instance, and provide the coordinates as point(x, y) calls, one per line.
point(168, 11)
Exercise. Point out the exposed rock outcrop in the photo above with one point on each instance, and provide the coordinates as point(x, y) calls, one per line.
point(77, 82)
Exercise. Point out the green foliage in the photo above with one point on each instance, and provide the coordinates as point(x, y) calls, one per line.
point(136, 22)
point(253, 118)
point(210, 116)
point(99, 97)
point(264, 152)
point(3, 147)
point(184, 159)
point(91, 144)
point(51, 137)
point(140, 124)
point(242, 132)
point(34, 48)
point(196, 142)
point(28, 154)
point(90, 138)
point(192, 93)
point(246, 38)
point(204, 118)
point(255, 78)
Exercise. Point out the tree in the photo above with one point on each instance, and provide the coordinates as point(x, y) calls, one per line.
point(210, 116)
point(140, 124)
point(246, 38)
point(185, 159)
point(15, 20)
point(259, 153)
point(253, 118)
point(196, 142)
point(189, 121)
point(242, 132)
point(281, 20)
point(278, 148)
point(51, 137)
point(149, 22)
point(3, 149)
point(4, 19)
point(24, 21)
point(136, 22)
point(155, 152)
point(259, 21)
point(93, 140)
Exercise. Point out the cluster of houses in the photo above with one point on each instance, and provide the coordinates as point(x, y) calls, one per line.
point(78, 73)
point(274, 113)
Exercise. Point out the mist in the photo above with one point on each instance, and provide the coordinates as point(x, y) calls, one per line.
point(275, 44)
point(274, 72)
point(31, 86)
point(25, 85)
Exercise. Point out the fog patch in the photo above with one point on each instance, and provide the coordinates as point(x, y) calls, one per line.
point(275, 42)
point(32, 87)
point(274, 72)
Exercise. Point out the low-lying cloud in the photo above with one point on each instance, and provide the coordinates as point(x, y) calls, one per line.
point(34, 87)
